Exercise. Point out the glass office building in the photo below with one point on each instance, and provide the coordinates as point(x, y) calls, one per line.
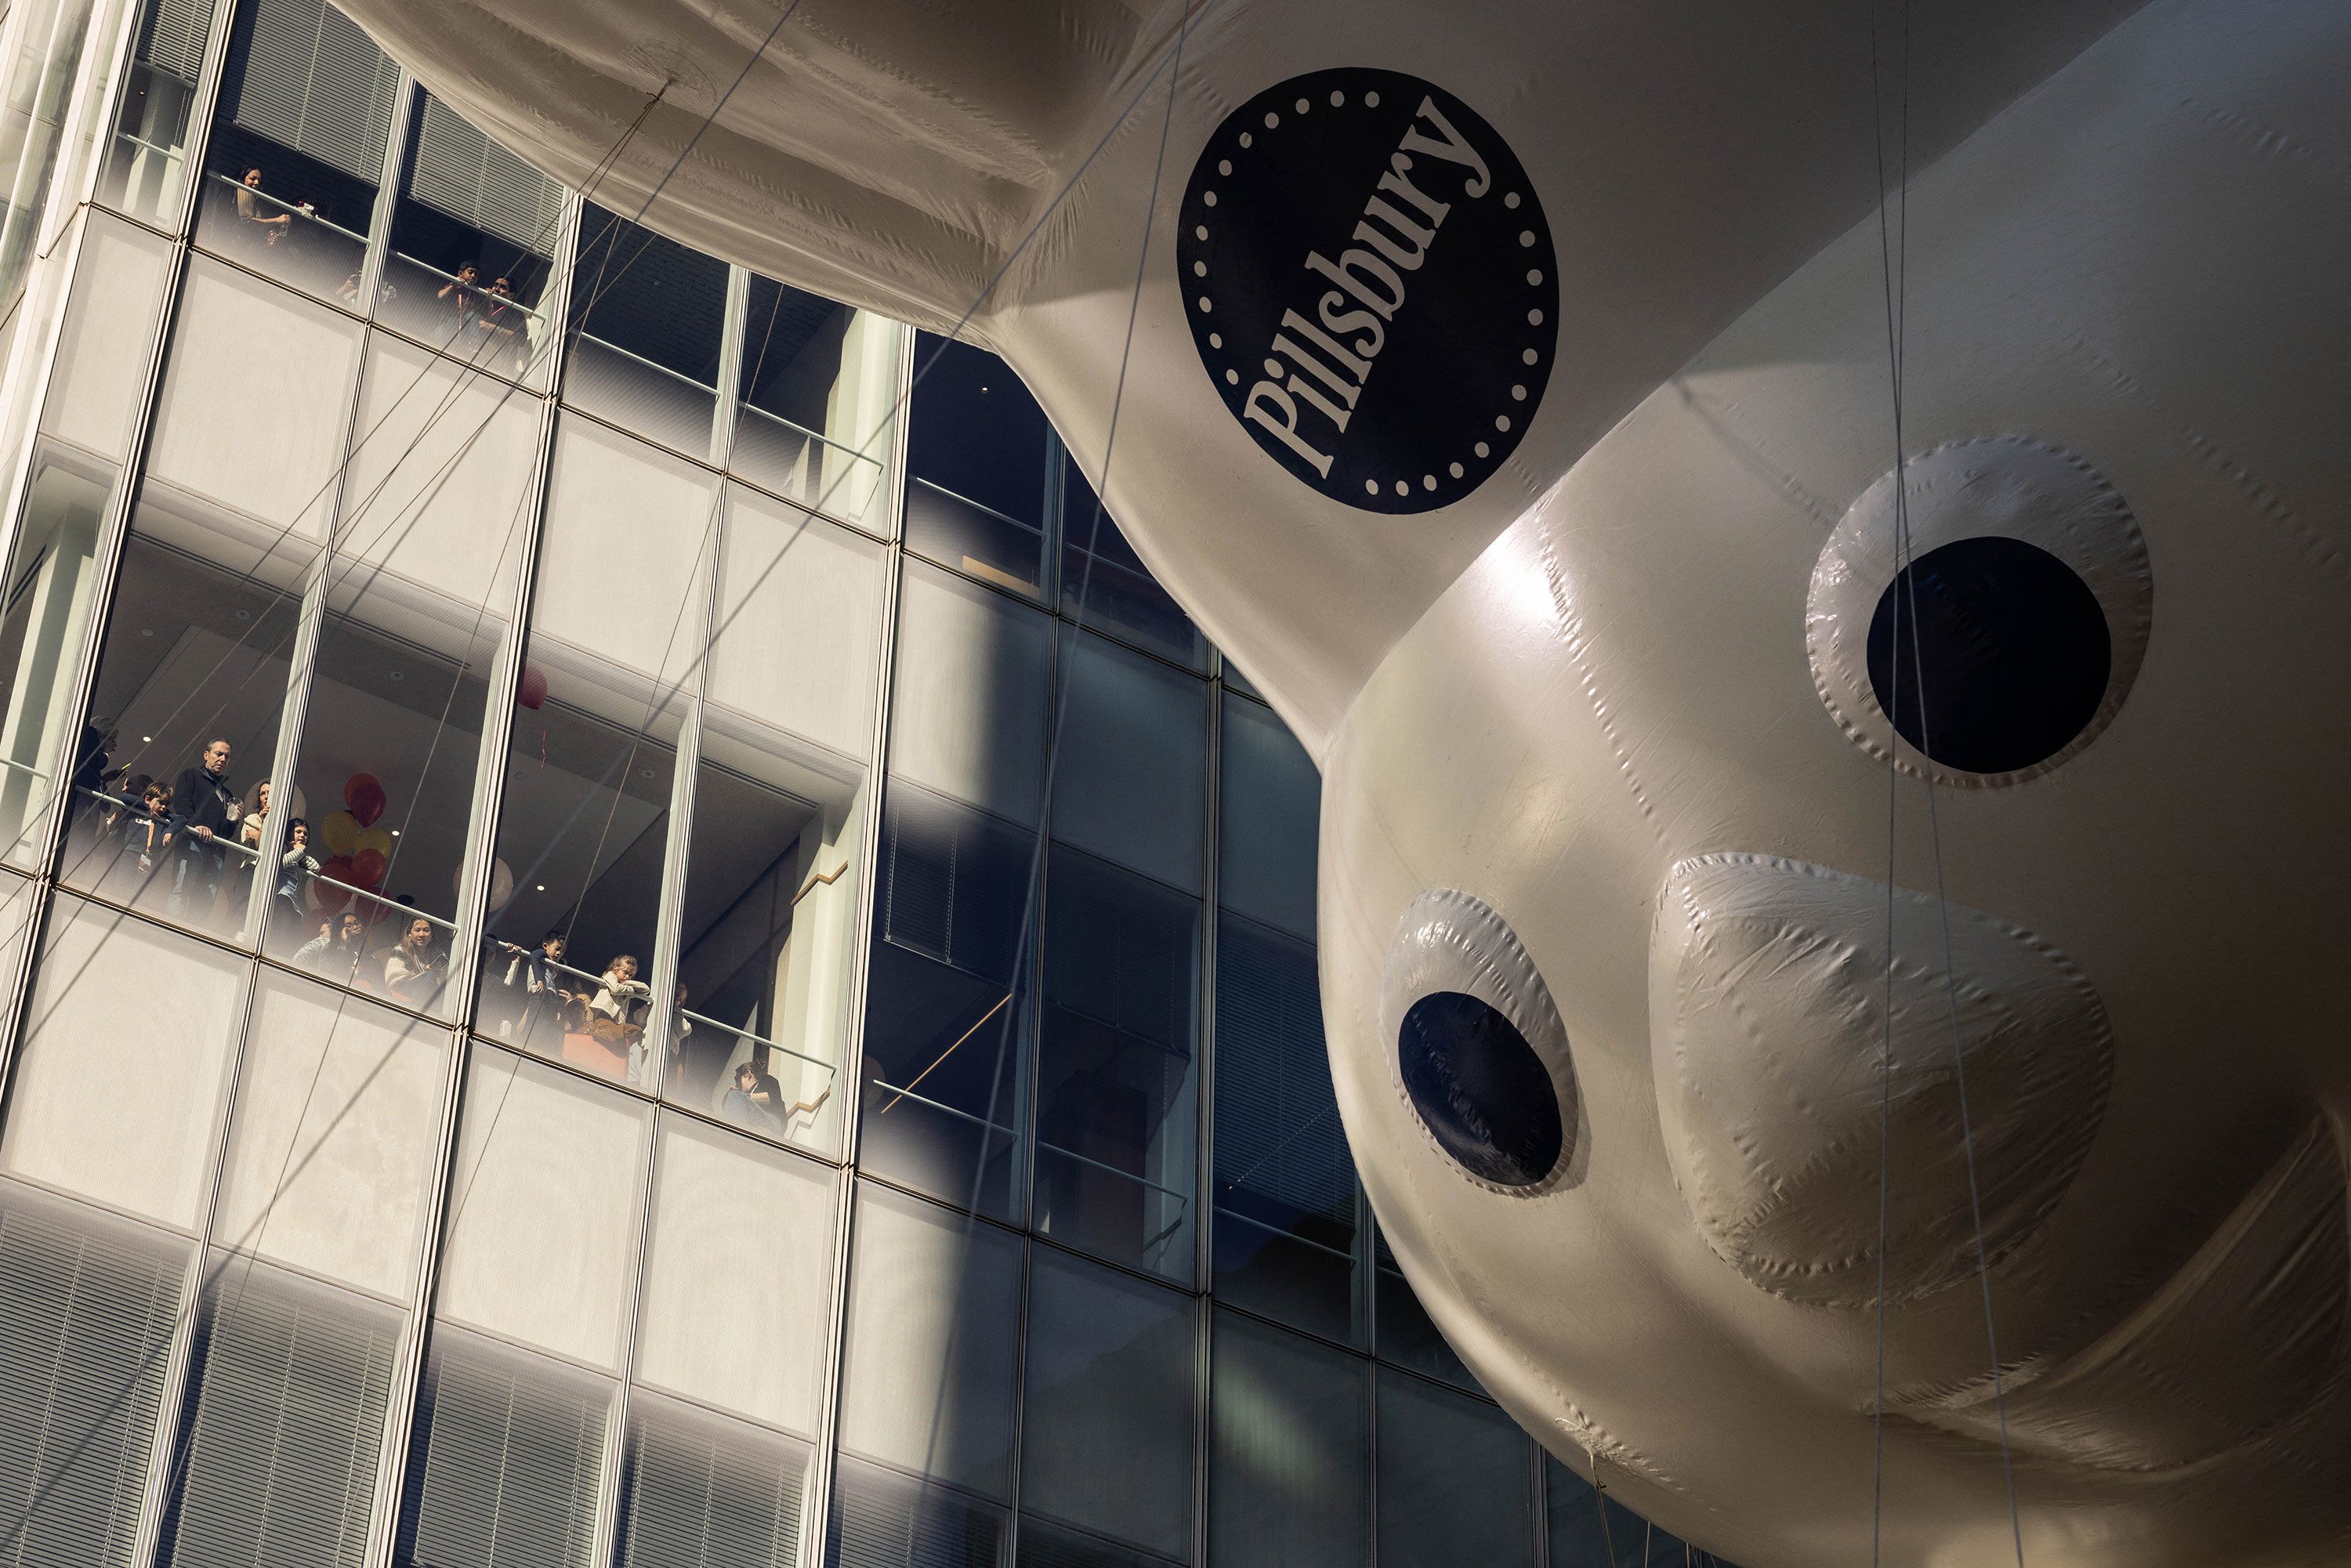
point(631, 933)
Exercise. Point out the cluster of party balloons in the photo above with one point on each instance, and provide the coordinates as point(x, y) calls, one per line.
point(360, 853)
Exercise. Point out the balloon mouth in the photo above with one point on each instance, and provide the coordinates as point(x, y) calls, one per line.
point(2229, 1352)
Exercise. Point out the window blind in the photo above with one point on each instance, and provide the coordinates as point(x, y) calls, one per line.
point(464, 173)
point(84, 1328)
point(172, 35)
point(283, 1435)
point(701, 1493)
point(314, 82)
point(882, 1519)
point(503, 1466)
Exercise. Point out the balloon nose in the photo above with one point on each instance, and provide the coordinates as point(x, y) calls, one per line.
point(1769, 1035)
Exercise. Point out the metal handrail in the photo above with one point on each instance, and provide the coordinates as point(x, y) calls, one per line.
point(289, 208)
point(587, 337)
point(1224, 1213)
point(152, 146)
point(475, 289)
point(758, 1040)
point(1176, 1193)
point(950, 1109)
point(408, 910)
point(821, 439)
point(980, 506)
point(222, 840)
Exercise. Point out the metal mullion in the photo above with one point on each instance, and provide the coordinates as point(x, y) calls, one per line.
point(605, 1526)
point(730, 367)
point(112, 530)
point(497, 727)
point(387, 194)
point(162, 1459)
point(1538, 1497)
point(1010, 1551)
point(99, 81)
point(1203, 1209)
point(677, 842)
point(204, 104)
point(817, 1516)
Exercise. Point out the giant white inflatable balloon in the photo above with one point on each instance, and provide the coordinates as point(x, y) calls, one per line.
point(1509, 396)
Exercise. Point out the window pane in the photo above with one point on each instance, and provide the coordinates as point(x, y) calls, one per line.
point(1289, 1451)
point(473, 242)
point(647, 314)
point(1455, 1479)
point(1407, 1336)
point(1129, 782)
point(547, 1185)
point(297, 144)
point(1106, 587)
point(191, 688)
point(946, 1010)
point(1106, 1431)
point(583, 832)
point(331, 1152)
point(285, 1425)
point(983, 466)
point(503, 1461)
point(45, 44)
point(799, 624)
point(42, 630)
point(766, 940)
point(738, 1285)
point(117, 1084)
point(102, 369)
point(91, 1304)
point(882, 1519)
point(426, 564)
point(146, 168)
point(1117, 1106)
point(933, 1342)
point(1285, 1188)
point(819, 391)
point(1044, 1545)
point(1267, 821)
point(697, 1490)
point(253, 402)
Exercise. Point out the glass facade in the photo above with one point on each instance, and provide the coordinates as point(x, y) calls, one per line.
point(610, 958)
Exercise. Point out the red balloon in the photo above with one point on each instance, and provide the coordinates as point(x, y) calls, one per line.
point(363, 798)
point(367, 867)
point(531, 690)
point(333, 888)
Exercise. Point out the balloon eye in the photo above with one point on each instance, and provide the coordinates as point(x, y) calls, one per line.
point(2011, 632)
point(1480, 1089)
point(1990, 653)
point(1480, 1054)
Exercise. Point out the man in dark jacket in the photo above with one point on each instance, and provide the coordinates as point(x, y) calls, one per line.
point(204, 820)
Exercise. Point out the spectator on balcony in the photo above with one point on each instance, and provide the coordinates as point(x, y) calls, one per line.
point(338, 946)
point(258, 218)
point(750, 1107)
point(414, 970)
point(296, 867)
point(205, 810)
point(465, 302)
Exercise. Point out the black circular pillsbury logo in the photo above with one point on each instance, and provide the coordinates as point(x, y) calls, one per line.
point(1371, 286)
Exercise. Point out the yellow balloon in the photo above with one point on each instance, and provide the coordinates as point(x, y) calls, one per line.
point(338, 833)
point(374, 839)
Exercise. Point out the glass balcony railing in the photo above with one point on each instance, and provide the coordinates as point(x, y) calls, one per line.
point(463, 318)
point(280, 239)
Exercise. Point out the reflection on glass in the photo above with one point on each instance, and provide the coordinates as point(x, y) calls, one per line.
point(472, 237)
point(1407, 1335)
point(947, 998)
point(1455, 1483)
point(1117, 1142)
point(882, 1519)
point(146, 169)
point(646, 317)
point(296, 148)
point(1105, 585)
point(191, 684)
point(1268, 817)
point(1289, 1451)
point(1285, 1185)
point(48, 36)
point(42, 625)
point(819, 389)
point(983, 465)
point(932, 1342)
point(1130, 774)
point(617, 629)
point(1107, 1420)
